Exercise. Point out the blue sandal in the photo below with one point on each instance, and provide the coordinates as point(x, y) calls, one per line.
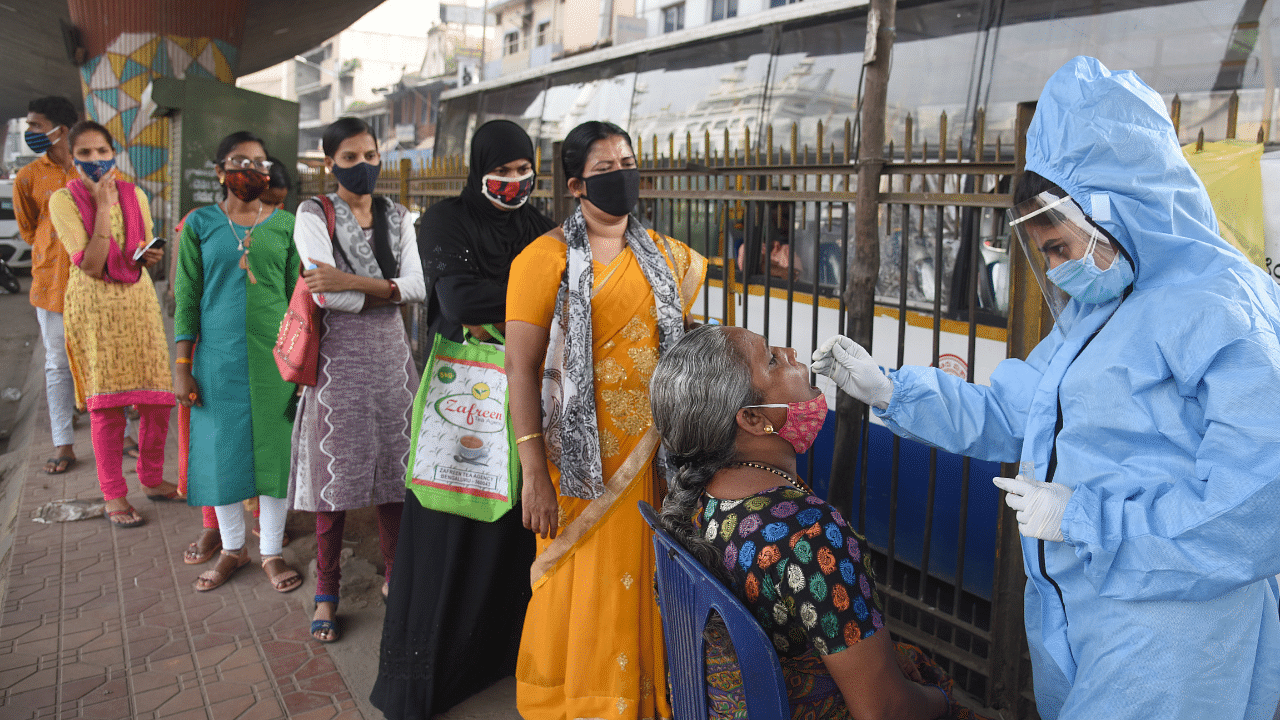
point(326, 626)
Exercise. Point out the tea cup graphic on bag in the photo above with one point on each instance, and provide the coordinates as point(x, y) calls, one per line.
point(471, 447)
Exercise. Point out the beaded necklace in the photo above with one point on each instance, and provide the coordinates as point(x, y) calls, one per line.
point(796, 483)
point(244, 242)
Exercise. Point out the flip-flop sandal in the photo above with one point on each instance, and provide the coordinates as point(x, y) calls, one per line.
point(217, 578)
point(60, 465)
point(284, 539)
point(289, 578)
point(193, 556)
point(326, 626)
point(138, 520)
point(171, 496)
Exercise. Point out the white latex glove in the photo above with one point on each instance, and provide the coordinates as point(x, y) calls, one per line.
point(1039, 504)
point(853, 371)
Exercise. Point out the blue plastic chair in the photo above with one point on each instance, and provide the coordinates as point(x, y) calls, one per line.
point(687, 593)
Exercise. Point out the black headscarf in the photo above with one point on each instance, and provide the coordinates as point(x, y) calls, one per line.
point(468, 238)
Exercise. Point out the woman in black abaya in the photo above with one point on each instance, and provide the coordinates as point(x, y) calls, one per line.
point(457, 598)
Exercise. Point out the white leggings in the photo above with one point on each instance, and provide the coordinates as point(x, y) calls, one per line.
point(272, 512)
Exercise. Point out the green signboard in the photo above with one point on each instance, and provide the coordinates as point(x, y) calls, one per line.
point(204, 111)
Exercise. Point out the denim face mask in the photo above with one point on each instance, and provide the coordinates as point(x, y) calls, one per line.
point(95, 169)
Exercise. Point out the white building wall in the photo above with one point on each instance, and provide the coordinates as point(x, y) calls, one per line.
point(696, 12)
point(277, 81)
point(384, 58)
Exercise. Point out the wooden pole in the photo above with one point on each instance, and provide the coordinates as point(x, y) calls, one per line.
point(561, 201)
point(864, 261)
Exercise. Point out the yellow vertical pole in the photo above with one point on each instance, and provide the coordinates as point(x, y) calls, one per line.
point(406, 166)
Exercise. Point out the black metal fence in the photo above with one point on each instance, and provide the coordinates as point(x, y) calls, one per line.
point(774, 220)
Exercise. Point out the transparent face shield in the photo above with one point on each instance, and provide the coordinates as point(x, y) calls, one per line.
point(1054, 230)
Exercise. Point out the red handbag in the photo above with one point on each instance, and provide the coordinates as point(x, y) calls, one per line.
point(297, 349)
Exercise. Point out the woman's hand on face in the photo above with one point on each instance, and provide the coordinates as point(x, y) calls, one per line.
point(539, 504)
point(324, 278)
point(151, 257)
point(104, 191)
point(186, 389)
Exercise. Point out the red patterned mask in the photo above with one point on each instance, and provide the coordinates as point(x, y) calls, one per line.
point(510, 193)
point(804, 420)
point(247, 184)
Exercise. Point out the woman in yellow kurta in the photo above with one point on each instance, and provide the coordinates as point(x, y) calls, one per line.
point(589, 308)
point(115, 338)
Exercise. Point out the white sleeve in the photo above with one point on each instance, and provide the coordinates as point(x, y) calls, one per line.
point(311, 235)
point(412, 287)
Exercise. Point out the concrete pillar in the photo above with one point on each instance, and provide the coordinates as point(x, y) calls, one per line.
point(131, 42)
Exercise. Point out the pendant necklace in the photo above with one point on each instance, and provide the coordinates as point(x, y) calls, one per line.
point(245, 242)
point(797, 484)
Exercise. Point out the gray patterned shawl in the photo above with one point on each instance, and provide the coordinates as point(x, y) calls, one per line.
point(356, 249)
point(570, 431)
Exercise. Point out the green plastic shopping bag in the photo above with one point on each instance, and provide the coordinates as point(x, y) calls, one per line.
point(461, 460)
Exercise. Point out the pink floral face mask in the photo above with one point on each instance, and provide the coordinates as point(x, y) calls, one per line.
point(804, 420)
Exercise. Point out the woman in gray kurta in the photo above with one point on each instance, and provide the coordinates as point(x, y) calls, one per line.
point(351, 436)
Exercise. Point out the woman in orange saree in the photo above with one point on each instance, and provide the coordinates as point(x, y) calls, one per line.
point(592, 640)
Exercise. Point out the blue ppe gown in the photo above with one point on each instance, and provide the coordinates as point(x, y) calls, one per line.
point(1161, 601)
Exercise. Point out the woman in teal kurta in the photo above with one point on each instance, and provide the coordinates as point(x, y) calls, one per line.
point(237, 266)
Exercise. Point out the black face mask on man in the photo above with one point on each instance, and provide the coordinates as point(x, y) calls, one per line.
point(615, 193)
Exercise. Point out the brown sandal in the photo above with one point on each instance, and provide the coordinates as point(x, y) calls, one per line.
point(221, 573)
point(195, 556)
point(285, 581)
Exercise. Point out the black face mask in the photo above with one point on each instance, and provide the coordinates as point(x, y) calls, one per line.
point(359, 179)
point(615, 193)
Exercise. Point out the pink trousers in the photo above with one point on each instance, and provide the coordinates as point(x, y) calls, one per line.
point(107, 431)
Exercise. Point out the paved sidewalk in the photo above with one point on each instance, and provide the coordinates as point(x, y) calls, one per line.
point(101, 622)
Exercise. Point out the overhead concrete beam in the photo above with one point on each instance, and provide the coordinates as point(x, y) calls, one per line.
point(34, 58)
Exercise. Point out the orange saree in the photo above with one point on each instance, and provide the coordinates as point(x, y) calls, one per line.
point(592, 642)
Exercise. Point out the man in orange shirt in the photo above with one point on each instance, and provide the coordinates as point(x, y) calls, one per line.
point(49, 119)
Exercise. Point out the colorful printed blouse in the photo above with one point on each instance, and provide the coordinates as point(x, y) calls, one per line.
point(798, 566)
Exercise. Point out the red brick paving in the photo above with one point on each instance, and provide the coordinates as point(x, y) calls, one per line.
point(100, 622)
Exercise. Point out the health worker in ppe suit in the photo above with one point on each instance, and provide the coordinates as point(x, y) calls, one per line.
point(1146, 423)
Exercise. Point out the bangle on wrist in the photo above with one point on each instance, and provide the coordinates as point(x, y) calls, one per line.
point(945, 697)
point(183, 360)
point(394, 289)
point(530, 436)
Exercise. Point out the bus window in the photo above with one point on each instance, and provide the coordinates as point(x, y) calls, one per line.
point(697, 89)
point(521, 104)
point(595, 92)
point(815, 78)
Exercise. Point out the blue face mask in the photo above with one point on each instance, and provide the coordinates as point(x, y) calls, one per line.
point(95, 169)
point(1083, 280)
point(38, 142)
point(360, 178)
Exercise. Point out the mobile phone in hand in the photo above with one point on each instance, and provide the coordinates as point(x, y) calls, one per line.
point(155, 243)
